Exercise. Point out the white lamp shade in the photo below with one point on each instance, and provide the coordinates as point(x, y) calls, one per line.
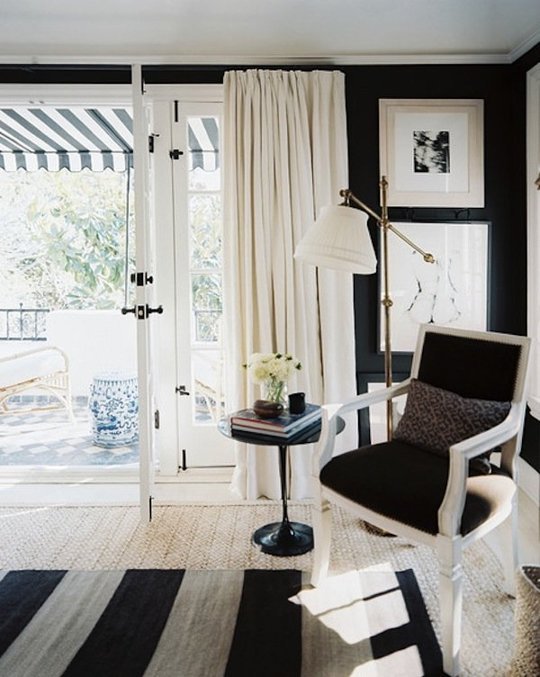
point(339, 239)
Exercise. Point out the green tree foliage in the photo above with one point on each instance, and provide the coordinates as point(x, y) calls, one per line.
point(62, 239)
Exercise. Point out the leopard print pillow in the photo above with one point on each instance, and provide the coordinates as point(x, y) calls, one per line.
point(435, 419)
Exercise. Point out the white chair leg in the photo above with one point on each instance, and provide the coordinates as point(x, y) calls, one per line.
point(322, 528)
point(450, 600)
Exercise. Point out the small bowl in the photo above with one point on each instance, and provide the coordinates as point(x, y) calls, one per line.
point(267, 409)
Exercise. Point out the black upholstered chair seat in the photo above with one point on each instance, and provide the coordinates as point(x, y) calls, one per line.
point(407, 484)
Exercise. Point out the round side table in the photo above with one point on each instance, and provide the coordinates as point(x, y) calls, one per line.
point(283, 538)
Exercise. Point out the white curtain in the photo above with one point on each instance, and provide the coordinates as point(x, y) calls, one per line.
point(285, 157)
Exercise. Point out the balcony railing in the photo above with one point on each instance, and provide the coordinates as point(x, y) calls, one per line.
point(23, 324)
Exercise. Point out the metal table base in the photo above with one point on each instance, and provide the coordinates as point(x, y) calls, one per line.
point(284, 538)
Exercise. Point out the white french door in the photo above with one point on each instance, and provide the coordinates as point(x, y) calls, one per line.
point(188, 215)
point(145, 294)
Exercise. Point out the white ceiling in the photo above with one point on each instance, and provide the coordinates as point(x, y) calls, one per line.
point(267, 31)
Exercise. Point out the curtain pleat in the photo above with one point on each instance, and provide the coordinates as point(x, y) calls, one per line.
point(285, 157)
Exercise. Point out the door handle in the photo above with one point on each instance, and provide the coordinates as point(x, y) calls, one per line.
point(181, 390)
point(142, 312)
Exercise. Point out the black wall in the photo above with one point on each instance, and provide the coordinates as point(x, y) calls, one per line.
point(493, 84)
point(502, 87)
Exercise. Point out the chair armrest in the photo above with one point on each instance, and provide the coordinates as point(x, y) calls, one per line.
point(452, 505)
point(35, 351)
point(367, 399)
point(330, 412)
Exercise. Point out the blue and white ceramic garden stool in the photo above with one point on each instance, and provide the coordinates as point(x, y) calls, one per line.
point(114, 405)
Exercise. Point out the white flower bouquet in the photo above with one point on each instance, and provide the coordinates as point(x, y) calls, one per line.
point(272, 371)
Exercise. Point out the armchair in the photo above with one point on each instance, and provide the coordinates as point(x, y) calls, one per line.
point(432, 483)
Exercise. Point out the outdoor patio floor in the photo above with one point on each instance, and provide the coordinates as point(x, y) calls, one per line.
point(48, 438)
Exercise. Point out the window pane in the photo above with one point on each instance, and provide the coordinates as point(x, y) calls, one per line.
point(207, 385)
point(205, 264)
point(201, 180)
point(206, 305)
point(205, 227)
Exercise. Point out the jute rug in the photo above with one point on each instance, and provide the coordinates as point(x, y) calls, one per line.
point(177, 623)
point(219, 538)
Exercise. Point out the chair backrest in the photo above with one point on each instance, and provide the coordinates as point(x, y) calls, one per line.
point(482, 365)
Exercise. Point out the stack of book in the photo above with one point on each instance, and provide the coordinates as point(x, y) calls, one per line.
point(286, 426)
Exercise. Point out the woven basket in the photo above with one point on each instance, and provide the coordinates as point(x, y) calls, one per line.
point(526, 661)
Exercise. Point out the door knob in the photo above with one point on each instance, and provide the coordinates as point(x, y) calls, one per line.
point(142, 312)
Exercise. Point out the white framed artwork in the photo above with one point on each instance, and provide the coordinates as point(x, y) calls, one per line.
point(452, 291)
point(432, 152)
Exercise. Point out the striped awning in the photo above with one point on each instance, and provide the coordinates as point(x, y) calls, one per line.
point(203, 143)
point(97, 138)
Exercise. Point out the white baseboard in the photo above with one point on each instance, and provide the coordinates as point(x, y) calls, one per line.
point(529, 481)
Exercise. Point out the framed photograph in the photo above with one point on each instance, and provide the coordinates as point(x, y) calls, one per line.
point(432, 152)
point(452, 292)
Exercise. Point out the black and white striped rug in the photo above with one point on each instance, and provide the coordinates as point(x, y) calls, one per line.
point(185, 623)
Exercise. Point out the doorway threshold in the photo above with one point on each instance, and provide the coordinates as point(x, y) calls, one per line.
point(90, 487)
point(79, 494)
point(81, 474)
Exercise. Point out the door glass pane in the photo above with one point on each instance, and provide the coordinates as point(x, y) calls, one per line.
point(205, 229)
point(205, 268)
point(208, 385)
point(206, 307)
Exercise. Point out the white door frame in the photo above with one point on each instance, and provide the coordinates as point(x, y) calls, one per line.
point(143, 296)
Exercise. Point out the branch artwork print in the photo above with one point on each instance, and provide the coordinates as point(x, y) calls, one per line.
point(435, 300)
point(431, 152)
point(450, 292)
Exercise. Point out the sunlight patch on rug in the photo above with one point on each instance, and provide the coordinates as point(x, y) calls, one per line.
point(354, 605)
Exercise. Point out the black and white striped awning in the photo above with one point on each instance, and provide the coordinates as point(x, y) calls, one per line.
point(203, 143)
point(75, 138)
point(71, 138)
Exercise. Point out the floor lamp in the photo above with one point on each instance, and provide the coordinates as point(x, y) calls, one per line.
point(340, 239)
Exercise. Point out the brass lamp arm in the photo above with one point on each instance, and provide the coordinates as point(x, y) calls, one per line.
point(348, 195)
point(383, 222)
point(428, 258)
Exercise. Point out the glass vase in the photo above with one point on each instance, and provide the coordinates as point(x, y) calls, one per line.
point(275, 391)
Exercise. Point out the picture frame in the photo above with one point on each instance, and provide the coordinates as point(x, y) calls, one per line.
point(432, 152)
point(451, 292)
